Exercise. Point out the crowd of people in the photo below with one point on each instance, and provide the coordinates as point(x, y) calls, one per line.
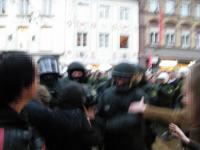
point(42, 110)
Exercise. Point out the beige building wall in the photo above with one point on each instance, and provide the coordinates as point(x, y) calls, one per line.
point(190, 23)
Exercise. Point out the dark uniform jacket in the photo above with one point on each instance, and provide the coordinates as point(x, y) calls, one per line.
point(121, 129)
point(16, 134)
point(62, 129)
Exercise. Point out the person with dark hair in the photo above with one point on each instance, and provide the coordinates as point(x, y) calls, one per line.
point(19, 81)
point(67, 126)
point(73, 96)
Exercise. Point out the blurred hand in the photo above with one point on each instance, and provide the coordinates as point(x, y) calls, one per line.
point(137, 107)
point(90, 112)
point(177, 132)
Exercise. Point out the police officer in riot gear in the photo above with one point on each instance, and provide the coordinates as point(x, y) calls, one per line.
point(49, 75)
point(121, 129)
point(77, 72)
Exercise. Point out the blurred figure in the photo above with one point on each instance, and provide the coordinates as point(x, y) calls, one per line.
point(177, 132)
point(49, 75)
point(67, 126)
point(178, 96)
point(19, 82)
point(189, 115)
point(43, 95)
point(77, 72)
point(151, 91)
point(73, 97)
point(164, 91)
point(122, 130)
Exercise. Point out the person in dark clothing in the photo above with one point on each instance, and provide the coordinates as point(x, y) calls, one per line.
point(19, 81)
point(43, 95)
point(73, 97)
point(103, 86)
point(164, 91)
point(77, 72)
point(67, 126)
point(148, 88)
point(121, 129)
point(49, 76)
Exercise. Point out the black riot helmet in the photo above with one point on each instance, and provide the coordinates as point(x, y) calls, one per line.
point(48, 70)
point(48, 65)
point(72, 96)
point(77, 67)
point(124, 76)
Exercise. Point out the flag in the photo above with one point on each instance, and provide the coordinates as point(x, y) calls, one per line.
point(161, 26)
point(149, 64)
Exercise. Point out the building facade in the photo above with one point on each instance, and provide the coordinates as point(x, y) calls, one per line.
point(90, 31)
point(170, 30)
point(102, 31)
point(35, 26)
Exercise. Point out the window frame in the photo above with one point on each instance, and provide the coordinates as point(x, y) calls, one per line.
point(173, 2)
point(154, 6)
point(104, 40)
point(197, 40)
point(104, 12)
point(184, 42)
point(24, 7)
point(124, 13)
point(171, 41)
point(197, 12)
point(188, 3)
point(47, 7)
point(3, 7)
point(154, 32)
point(83, 39)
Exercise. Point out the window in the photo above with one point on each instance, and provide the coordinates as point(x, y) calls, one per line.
point(185, 40)
point(24, 6)
point(124, 13)
point(154, 6)
point(198, 10)
point(46, 7)
point(170, 7)
point(185, 8)
point(103, 40)
point(198, 40)
point(104, 11)
point(124, 41)
point(81, 39)
point(170, 38)
point(2, 7)
point(154, 38)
